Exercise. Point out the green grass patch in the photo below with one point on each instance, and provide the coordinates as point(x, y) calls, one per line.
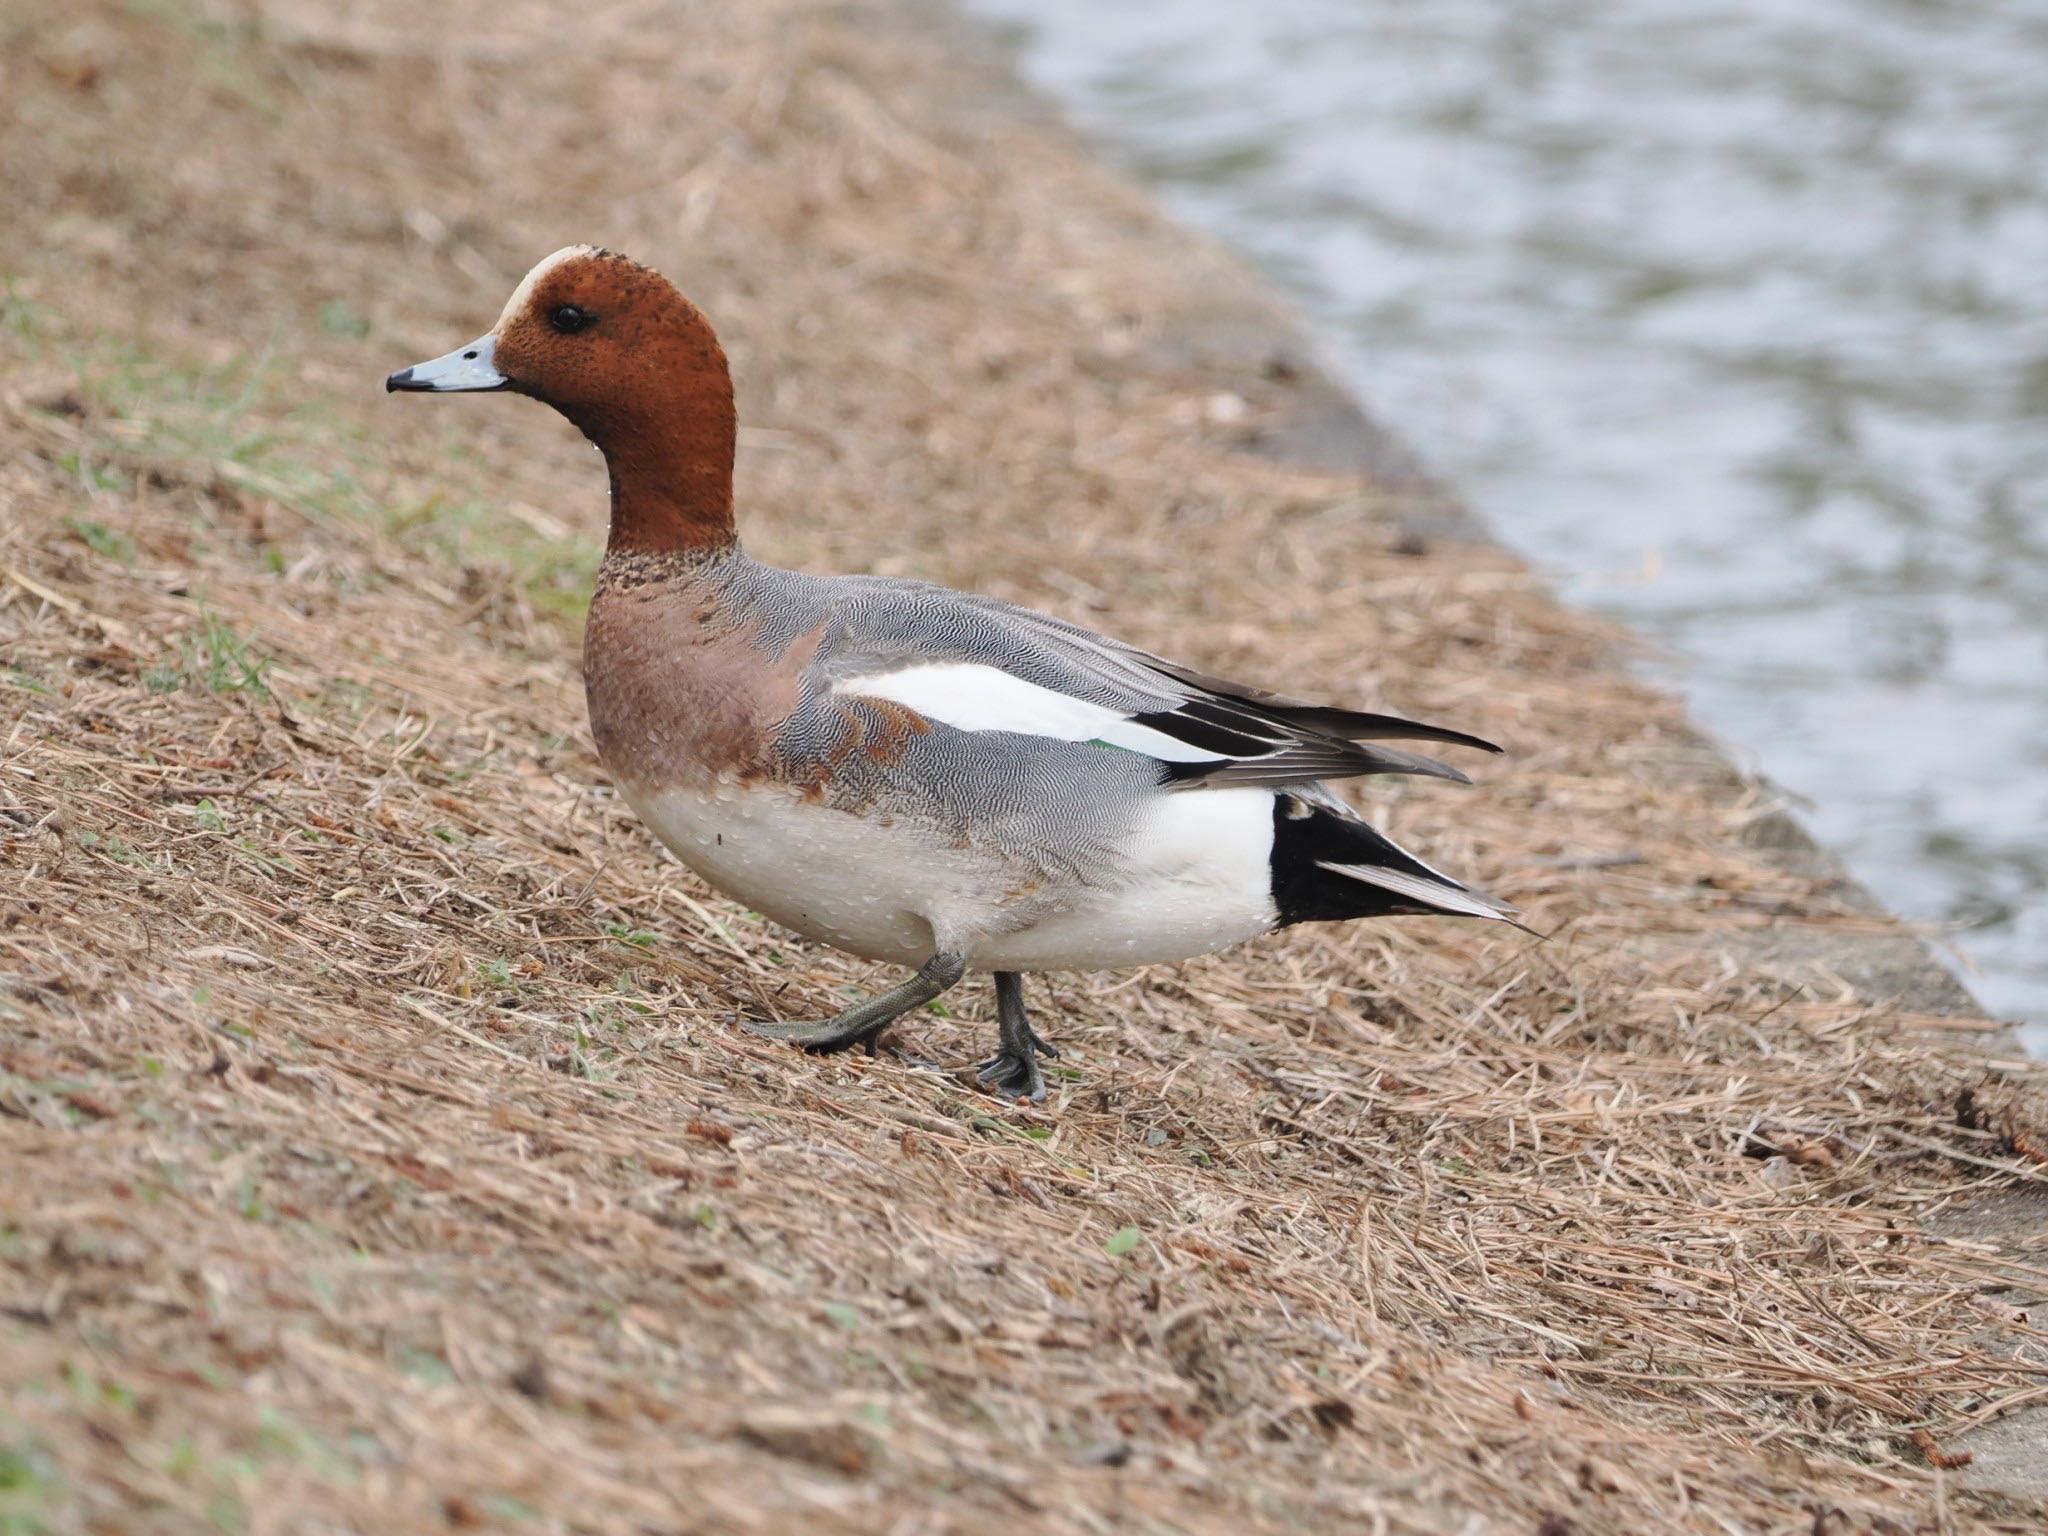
point(245, 425)
point(101, 539)
point(28, 1487)
point(553, 574)
point(214, 659)
point(424, 1365)
point(17, 315)
point(337, 319)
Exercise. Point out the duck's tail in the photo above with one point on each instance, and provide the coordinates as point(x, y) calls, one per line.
point(1329, 866)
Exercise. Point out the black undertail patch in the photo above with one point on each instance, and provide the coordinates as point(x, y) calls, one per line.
point(1307, 837)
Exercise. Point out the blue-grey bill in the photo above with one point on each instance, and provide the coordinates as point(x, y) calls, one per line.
point(470, 367)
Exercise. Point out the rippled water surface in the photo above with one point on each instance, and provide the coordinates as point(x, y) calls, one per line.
point(1733, 316)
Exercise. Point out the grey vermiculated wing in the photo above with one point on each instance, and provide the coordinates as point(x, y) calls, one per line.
point(1298, 715)
point(881, 622)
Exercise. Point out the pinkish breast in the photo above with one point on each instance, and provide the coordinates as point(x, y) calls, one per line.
point(681, 691)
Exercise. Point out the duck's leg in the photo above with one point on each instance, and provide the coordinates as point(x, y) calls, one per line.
point(863, 1023)
point(1013, 1070)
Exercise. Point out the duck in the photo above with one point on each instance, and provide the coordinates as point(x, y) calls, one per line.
point(914, 775)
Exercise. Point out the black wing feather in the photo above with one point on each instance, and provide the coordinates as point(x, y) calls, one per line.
point(1305, 759)
point(1256, 743)
point(1321, 719)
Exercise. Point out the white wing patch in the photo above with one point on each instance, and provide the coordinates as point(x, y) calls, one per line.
point(971, 696)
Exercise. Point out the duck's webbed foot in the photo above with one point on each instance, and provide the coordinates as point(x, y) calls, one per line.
point(1013, 1070)
point(864, 1023)
point(1013, 1077)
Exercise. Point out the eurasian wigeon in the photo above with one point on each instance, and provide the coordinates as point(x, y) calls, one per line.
point(912, 774)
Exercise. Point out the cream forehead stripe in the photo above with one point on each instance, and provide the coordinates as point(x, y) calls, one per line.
point(547, 264)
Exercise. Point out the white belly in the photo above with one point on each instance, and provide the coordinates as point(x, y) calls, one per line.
point(850, 882)
point(1194, 878)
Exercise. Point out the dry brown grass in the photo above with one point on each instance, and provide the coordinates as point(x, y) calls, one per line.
point(382, 1155)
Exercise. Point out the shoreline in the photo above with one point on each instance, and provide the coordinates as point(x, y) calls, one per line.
point(1243, 329)
point(1490, 323)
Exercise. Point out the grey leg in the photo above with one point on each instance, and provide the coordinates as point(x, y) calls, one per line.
point(1013, 1070)
point(863, 1023)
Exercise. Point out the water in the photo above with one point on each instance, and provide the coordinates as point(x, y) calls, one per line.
point(1732, 316)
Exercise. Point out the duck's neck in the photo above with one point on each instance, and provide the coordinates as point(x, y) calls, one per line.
point(671, 497)
point(669, 450)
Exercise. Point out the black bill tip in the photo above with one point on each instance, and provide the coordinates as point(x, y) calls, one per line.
point(403, 379)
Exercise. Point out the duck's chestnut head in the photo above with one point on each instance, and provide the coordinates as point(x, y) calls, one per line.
point(615, 348)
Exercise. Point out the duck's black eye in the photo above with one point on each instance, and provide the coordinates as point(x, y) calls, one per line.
point(568, 319)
